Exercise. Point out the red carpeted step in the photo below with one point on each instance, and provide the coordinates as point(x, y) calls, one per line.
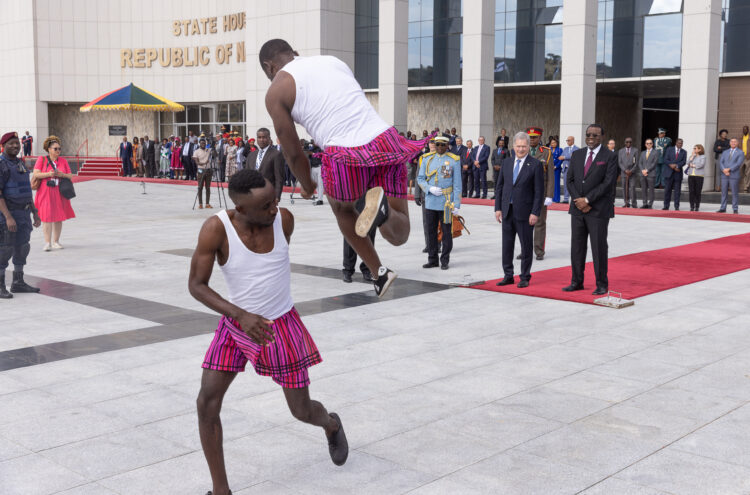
point(640, 274)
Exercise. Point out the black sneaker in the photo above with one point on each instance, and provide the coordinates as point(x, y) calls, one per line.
point(373, 211)
point(338, 447)
point(384, 280)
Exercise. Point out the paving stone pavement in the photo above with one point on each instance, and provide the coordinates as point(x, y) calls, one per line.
point(441, 389)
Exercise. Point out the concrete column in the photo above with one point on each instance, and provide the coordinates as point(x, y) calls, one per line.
point(315, 27)
point(393, 33)
point(578, 81)
point(699, 78)
point(477, 93)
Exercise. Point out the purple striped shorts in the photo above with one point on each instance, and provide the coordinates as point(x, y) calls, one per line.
point(349, 172)
point(285, 360)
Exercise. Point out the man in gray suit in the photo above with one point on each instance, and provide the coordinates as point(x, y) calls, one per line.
point(627, 159)
point(647, 165)
point(730, 164)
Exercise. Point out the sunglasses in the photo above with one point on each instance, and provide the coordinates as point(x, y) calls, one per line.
point(56, 148)
point(441, 144)
point(591, 134)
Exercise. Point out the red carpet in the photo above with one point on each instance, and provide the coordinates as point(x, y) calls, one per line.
point(641, 274)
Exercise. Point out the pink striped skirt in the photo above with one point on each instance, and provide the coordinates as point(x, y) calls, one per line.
point(348, 173)
point(285, 360)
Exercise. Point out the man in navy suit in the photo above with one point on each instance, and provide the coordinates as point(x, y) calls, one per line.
point(674, 159)
point(730, 164)
point(519, 195)
point(591, 182)
point(125, 153)
point(479, 166)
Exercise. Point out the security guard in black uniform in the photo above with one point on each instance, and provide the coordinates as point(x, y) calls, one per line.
point(16, 207)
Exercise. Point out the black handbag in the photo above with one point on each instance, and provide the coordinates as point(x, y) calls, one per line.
point(66, 185)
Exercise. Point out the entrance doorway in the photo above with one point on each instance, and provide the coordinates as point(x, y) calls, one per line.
point(660, 112)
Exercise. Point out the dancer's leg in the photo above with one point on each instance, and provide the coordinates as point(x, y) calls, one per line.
point(214, 385)
point(346, 216)
point(309, 411)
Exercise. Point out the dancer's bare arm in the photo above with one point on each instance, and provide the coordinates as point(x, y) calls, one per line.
point(279, 103)
point(287, 223)
point(210, 242)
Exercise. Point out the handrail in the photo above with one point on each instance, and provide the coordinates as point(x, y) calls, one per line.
point(78, 154)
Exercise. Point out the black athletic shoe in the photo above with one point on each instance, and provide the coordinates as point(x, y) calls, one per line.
point(384, 280)
point(338, 447)
point(367, 275)
point(347, 277)
point(373, 211)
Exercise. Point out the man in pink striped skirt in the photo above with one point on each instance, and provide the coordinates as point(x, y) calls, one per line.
point(364, 158)
point(259, 322)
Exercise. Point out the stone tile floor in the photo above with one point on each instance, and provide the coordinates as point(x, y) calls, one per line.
point(448, 391)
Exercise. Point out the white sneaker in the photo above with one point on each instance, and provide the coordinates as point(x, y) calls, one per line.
point(47, 247)
point(56, 245)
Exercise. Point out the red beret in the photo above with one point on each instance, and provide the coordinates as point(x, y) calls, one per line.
point(8, 136)
point(534, 131)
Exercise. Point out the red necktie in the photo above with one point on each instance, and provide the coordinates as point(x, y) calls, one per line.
point(588, 162)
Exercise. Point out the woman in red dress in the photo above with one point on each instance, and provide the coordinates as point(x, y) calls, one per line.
point(53, 208)
point(176, 159)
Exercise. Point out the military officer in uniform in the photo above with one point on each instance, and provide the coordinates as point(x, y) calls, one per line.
point(661, 143)
point(439, 179)
point(544, 155)
point(16, 209)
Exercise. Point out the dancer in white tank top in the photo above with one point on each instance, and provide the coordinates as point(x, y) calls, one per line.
point(259, 322)
point(364, 158)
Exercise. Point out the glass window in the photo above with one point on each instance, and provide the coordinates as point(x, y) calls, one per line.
point(180, 116)
point(435, 42)
point(208, 112)
point(662, 44)
point(235, 112)
point(223, 112)
point(736, 36)
point(366, 38)
point(193, 114)
point(553, 53)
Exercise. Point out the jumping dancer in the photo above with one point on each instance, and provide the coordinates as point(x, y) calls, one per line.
point(363, 170)
point(259, 322)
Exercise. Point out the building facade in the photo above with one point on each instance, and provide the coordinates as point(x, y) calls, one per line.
point(477, 65)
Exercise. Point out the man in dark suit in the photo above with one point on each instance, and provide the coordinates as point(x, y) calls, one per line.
point(187, 157)
point(479, 165)
point(467, 176)
point(674, 159)
point(126, 153)
point(267, 160)
point(519, 195)
point(592, 177)
point(149, 156)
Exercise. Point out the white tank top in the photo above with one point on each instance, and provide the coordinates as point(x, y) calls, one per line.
point(330, 104)
point(258, 283)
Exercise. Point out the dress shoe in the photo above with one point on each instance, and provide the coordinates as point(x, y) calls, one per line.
point(634, 205)
point(484, 197)
point(676, 208)
point(523, 284)
point(600, 291)
point(565, 202)
point(444, 267)
point(721, 211)
point(424, 250)
point(430, 265)
point(736, 212)
point(540, 257)
point(505, 281)
point(573, 287)
point(347, 277)
point(626, 205)
point(692, 209)
point(367, 275)
point(19, 285)
point(644, 207)
point(665, 208)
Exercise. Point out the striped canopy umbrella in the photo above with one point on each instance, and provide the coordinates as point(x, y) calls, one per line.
point(131, 97)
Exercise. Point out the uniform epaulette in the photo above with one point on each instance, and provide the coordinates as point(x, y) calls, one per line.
point(455, 157)
point(428, 154)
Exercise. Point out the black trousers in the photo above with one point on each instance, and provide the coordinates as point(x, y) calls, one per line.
point(695, 186)
point(467, 181)
point(673, 183)
point(433, 218)
point(187, 164)
point(480, 179)
point(204, 181)
point(350, 255)
point(512, 227)
point(584, 227)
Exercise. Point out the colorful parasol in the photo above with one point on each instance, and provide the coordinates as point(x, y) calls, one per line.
point(131, 97)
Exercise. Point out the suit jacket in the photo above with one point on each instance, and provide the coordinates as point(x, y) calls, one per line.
point(598, 186)
point(527, 193)
point(460, 151)
point(498, 156)
point(272, 167)
point(482, 158)
point(670, 159)
point(648, 164)
point(149, 152)
point(126, 150)
point(627, 163)
point(732, 161)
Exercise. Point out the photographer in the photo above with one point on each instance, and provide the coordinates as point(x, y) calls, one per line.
point(315, 164)
point(202, 164)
